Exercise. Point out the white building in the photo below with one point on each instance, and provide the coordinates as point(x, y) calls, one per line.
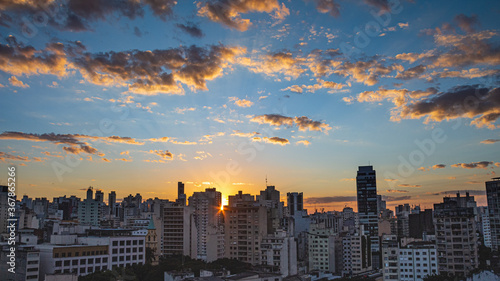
point(355, 254)
point(390, 257)
point(485, 223)
point(321, 248)
point(417, 260)
point(279, 252)
point(89, 210)
point(93, 253)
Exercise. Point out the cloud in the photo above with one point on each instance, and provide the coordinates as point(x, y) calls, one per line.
point(403, 25)
point(382, 5)
point(270, 64)
point(6, 156)
point(396, 191)
point(75, 141)
point(476, 165)
point(313, 88)
point(304, 142)
point(473, 182)
point(466, 23)
point(77, 15)
point(490, 141)
point(191, 29)
point(438, 166)
point(390, 180)
point(124, 159)
point(17, 83)
point(273, 119)
point(244, 135)
point(51, 154)
point(241, 102)
point(366, 72)
point(163, 139)
point(303, 123)
point(392, 199)
point(409, 185)
point(273, 140)
point(229, 12)
point(329, 199)
point(165, 154)
point(137, 32)
point(328, 6)
point(470, 101)
point(411, 73)
point(183, 142)
point(182, 110)
point(142, 72)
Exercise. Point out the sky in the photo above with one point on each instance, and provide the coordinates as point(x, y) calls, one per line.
point(136, 95)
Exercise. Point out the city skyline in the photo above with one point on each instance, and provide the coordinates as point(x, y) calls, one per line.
point(295, 94)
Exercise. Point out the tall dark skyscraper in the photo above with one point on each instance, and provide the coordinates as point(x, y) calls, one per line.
point(295, 202)
point(366, 184)
point(181, 196)
point(111, 202)
point(493, 197)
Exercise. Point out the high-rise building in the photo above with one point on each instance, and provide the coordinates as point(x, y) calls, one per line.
point(112, 202)
point(421, 223)
point(179, 230)
point(245, 226)
point(321, 247)
point(279, 253)
point(181, 196)
point(4, 206)
point(89, 210)
point(99, 196)
point(366, 183)
point(207, 217)
point(270, 198)
point(493, 197)
point(294, 202)
point(457, 241)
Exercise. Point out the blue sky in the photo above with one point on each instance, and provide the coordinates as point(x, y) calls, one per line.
point(133, 96)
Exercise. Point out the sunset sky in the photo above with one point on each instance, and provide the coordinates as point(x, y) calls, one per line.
point(136, 95)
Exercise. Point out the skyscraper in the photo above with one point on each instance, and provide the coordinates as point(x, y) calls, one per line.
point(366, 184)
point(207, 217)
point(456, 236)
point(112, 202)
point(181, 196)
point(493, 197)
point(295, 202)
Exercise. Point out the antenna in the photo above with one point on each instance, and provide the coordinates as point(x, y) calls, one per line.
point(266, 180)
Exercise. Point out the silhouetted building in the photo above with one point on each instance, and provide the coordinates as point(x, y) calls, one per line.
point(493, 197)
point(420, 223)
point(295, 202)
point(366, 184)
point(181, 196)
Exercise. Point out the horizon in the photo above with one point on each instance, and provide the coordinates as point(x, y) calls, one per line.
point(295, 94)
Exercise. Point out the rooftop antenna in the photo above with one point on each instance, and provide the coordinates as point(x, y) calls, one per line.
point(266, 180)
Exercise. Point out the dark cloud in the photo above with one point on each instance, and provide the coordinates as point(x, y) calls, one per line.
point(411, 73)
point(330, 199)
point(137, 32)
point(303, 123)
point(191, 29)
point(76, 142)
point(77, 15)
point(476, 165)
point(382, 5)
point(438, 166)
point(143, 72)
point(466, 23)
point(328, 6)
point(469, 101)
